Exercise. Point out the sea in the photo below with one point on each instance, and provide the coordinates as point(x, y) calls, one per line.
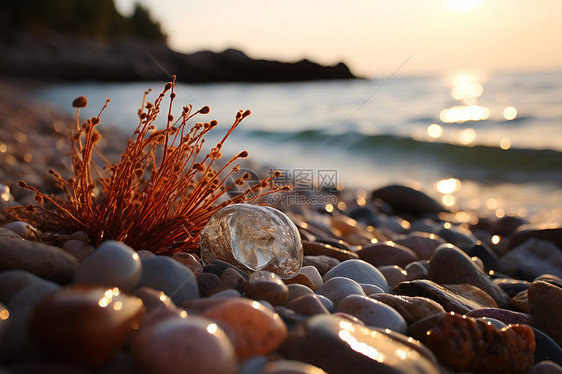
point(490, 143)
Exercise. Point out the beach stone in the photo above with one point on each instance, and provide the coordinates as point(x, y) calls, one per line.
point(265, 285)
point(78, 249)
point(533, 258)
point(253, 237)
point(550, 278)
point(359, 271)
point(302, 280)
point(466, 344)
point(5, 322)
point(372, 313)
point(488, 257)
point(21, 306)
point(450, 265)
point(473, 293)
point(218, 267)
point(545, 303)
point(313, 274)
point(337, 288)
point(5, 233)
point(257, 329)
point(393, 274)
point(143, 253)
point(297, 290)
point(158, 306)
point(230, 278)
point(322, 249)
point(546, 367)
point(190, 261)
point(417, 270)
point(309, 305)
point(370, 289)
point(112, 264)
point(167, 275)
point(411, 308)
point(208, 284)
point(360, 349)
point(24, 229)
point(546, 349)
point(421, 243)
point(85, 324)
point(387, 253)
point(408, 200)
point(521, 302)
point(447, 298)
point(512, 286)
point(322, 263)
point(229, 292)
point(460, 238)
point(184, 345)
point(46, 261)
point(11, 281)
point(506, 316)
point(290, 367)
point(552, 233)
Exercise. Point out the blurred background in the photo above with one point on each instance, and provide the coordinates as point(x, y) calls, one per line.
point(461, 98)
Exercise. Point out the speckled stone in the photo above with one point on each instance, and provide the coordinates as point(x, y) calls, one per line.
point(545, 303)
point(359, 349)
point(167, 275)
point(184, 345)
point(373, 313)
point(359, 271)
point(387, 253)
point(257, 329)
point(465, 344)
point(411, 308)
point(265, 285)
point(46, 261)
point(85, 324)
point(112, 264)
point(337, 288)
point(450, 265)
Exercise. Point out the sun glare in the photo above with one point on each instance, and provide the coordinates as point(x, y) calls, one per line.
point(462, 5)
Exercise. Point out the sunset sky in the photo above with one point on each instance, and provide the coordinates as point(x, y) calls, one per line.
point(373, 38)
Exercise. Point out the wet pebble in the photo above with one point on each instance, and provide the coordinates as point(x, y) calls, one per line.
point(184, 345)
point(360, 349)
point(167, 275)
point(112, 264)
point(83, 324)
point(387, 253)
point(450, 265)
point(545, 303)
point(257, 329)
point(411, 308)
point(359, 271)
point(337, 288)
point(44, 260)
point(265, 285)
point(373, 313)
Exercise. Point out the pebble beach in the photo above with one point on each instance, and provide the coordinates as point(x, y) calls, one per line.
point(389, 282)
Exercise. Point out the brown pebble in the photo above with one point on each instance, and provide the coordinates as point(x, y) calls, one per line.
point(230, 278)
point(85, 324)
point(521, 302)
point(301, 279)
point(208, 284)
point(422, 243)
point(297, 290)
point(258, 330)
point(189, 260)
point(265, 285)
point(387, 253)
point(412, 308)
point(321, 249)
point(308, 305)
point(322, 263)
point(545, 303)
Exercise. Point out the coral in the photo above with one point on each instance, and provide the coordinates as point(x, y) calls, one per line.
point(161, 193)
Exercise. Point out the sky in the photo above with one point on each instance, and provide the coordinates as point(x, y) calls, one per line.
point(373, 37)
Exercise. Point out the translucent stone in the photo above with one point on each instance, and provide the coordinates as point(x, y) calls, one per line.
point(253, 237)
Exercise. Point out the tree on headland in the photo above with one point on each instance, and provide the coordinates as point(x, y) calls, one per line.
point(83, 18)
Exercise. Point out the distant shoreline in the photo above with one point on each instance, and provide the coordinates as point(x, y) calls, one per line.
point(65, 58)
